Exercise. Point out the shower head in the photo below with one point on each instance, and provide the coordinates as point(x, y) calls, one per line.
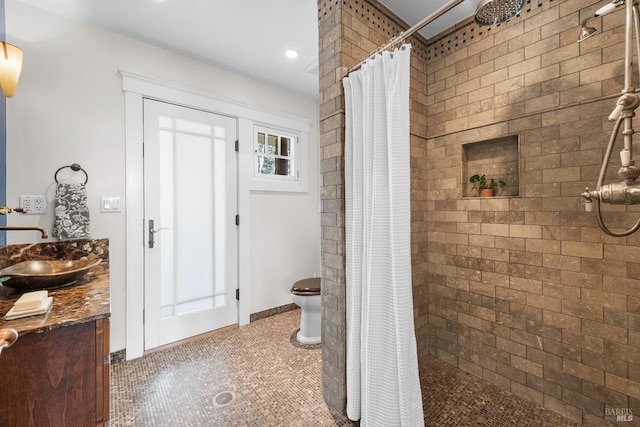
point(493, 12)
point(586, 32)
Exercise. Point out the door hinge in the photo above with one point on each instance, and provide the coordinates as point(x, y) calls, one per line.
point(237, 219)
point(237, 145)
point(238, 294)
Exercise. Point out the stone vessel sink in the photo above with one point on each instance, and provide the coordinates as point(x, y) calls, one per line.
point(46, 274)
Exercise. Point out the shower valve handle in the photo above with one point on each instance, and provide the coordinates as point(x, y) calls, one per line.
point(627, 102)
point(588, 199)
point(617, 193)
point(588, 205)
point(616, 112)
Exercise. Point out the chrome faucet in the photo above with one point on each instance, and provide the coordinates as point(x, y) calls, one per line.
point(26, 227)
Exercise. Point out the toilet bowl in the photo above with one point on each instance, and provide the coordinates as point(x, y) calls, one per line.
point(306, 295)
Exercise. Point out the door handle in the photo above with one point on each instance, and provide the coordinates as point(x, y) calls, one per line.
point(152, 232)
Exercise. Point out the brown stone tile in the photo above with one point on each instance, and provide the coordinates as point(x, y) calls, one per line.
point(452, 397)
point(269, 381)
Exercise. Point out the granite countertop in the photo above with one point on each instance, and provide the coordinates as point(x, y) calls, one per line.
point(84, 301)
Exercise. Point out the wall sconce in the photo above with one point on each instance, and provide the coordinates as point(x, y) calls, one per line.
point(10, 67)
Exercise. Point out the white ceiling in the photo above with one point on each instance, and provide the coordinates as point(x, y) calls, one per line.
point(247, 36)
point(413, 11)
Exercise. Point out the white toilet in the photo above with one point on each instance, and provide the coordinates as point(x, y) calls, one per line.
point(306, 294)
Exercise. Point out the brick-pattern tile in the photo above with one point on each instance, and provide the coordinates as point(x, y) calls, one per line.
point(332, 195)
point(349, 31)
point(561, 291)
point(525, 291)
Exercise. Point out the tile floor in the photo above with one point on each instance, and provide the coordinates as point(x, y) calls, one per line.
point(250, 376)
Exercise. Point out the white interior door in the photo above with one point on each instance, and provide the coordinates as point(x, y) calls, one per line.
point(190, 207)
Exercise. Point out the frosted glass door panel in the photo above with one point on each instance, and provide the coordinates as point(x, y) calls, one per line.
point(165, 216)
point(194, 202)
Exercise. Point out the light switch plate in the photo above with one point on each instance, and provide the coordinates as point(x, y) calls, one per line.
point(110, 204)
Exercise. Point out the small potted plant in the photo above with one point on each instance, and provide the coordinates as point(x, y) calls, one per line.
point(486, 186)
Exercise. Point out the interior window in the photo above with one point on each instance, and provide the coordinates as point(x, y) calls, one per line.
point(275, 154)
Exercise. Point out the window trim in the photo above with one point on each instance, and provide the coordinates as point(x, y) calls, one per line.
point(293, 175)
point(297, 183)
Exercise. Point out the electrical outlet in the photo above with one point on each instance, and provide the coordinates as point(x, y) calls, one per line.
point(34, 205)
point(40, 204)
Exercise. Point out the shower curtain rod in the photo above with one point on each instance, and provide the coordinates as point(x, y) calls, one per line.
point(406, 34)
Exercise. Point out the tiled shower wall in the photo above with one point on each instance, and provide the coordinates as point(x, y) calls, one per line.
point(524, 291)
point(349, 31)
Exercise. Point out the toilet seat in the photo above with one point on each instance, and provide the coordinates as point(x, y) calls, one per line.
point(306, 287)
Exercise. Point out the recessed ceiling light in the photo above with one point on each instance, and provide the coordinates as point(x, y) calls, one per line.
point(290, 53)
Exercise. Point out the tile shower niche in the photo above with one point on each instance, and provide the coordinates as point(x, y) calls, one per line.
point(496, 158)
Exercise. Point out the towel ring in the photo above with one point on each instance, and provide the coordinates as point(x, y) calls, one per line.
point(74, 167)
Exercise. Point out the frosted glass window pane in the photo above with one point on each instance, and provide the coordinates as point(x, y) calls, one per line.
point(220, 207)
point(193, 127)
point(266, 165)
point(164, 238)
point(191, 306)
point(272, 144)
point(165, 122)
point(166, 311)
point(194, 211)
point(219, 132)
point(220, 300)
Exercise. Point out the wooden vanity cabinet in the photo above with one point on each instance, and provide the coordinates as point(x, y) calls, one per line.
point(59, 377)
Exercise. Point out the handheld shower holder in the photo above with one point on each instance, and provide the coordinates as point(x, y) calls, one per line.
point(627, 190)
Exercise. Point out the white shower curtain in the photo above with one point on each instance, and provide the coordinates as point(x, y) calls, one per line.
point(383, 387)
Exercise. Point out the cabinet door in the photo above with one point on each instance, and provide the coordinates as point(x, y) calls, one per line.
point(50, 378)
point(103, 371)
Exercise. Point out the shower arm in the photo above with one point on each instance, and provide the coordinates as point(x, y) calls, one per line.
point(407, 33)
point(626, 191)
point(499, 10)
